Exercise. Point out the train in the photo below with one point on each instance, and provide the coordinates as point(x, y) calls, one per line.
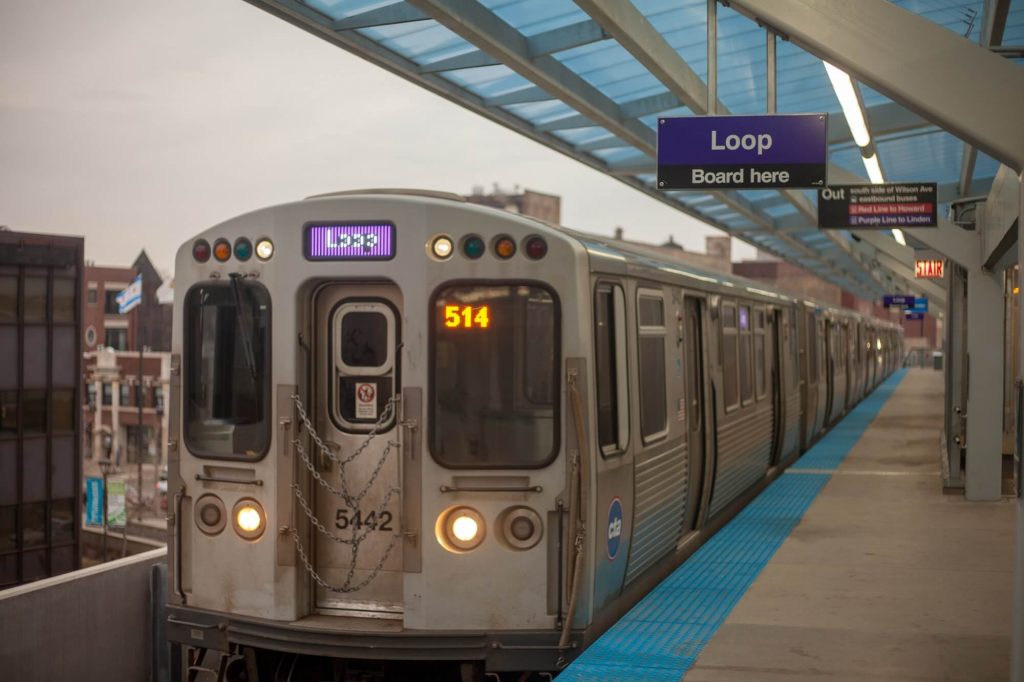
point(416, 438)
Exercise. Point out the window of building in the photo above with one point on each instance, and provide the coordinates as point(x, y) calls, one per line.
point(34, 299)
point(8, 528)
point(651, 349)
point(116, 338)
point(123, 397)
point(110, 306)
point(227, 362)
point(8, 413)
point(730, 369)
point(108, 394)
point(8, 299)
point(63, 409)
point(493, 404)
point(64, 301)
point(158, 398)
point(610, 361)
point(91, 294)
point(62, 522)
point(33, 411)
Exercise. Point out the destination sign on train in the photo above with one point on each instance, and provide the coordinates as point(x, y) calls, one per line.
point(880, 207)
point(743, 152)
point(350, 241)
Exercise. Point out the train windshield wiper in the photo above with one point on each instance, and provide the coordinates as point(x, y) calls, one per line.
point(243, 328)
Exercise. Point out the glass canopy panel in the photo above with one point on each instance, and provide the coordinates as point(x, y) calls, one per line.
point(530, 17)
point(934, 157)
point(419, 41)
point(962, 17)
point(985, 167)
point(341, 9)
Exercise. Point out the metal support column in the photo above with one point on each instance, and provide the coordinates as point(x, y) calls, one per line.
point(1017, 658)
point(984, 464)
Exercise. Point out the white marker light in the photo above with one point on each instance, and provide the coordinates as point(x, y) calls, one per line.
point(873, 169)
point(897, 234)
point(848, 100)
point(264, 249)
point(442, 247)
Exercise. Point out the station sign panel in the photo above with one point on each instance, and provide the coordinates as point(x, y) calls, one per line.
point(743, 152)
point(879, 207)
point(920, 305)
point(898, 299)
point(914, 316)
point(929, 268)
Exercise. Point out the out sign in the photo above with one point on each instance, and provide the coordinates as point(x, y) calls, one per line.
point(929, 268)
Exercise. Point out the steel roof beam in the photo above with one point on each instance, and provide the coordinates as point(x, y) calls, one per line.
point(398, 13)
point(520, 96)
point(993, 20)
point(926, 67)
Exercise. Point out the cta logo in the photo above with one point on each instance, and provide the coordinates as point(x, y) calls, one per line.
point(614, 527)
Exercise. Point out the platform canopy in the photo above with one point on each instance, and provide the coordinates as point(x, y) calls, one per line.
point(590, 78)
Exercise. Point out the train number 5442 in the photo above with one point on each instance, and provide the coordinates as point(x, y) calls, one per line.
point(345, 518)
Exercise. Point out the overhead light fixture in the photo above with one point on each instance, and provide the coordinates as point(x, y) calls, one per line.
point(850, 103)
point(873, 169)
point(897, 234)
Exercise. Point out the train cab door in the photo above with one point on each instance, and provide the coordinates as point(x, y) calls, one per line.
point(357, 562)
point(693, 359)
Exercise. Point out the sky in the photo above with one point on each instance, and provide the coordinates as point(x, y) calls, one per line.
point(140, 124)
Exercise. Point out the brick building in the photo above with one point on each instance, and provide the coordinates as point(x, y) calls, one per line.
point(104, 326)
point(547, 207)
point(111, 414)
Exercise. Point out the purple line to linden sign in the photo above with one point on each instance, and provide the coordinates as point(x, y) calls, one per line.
point(743, 152)
point(350, 241)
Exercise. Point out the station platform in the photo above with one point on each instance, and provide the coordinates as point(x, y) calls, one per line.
point(852, 565)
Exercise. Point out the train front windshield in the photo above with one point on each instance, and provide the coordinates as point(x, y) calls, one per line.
point(495, 376)
point(227, 376)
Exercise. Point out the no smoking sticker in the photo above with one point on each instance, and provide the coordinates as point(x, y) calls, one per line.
point(366, 401)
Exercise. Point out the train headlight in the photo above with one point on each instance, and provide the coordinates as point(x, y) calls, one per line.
point(249, 519)
point(521, 527)
point(442, 247)
point(460, 529)
point(264, 249)
point(210, 515)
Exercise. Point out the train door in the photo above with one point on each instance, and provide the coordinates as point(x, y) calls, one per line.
point(777, 386)
point(357, 562)
point(693, 370)
point(809, 374)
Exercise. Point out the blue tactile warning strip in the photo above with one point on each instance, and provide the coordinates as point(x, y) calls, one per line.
point(661, 637)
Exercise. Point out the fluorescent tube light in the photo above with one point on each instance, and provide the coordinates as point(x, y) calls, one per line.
point(897, 234)
point(873, 169)
point(848, 100)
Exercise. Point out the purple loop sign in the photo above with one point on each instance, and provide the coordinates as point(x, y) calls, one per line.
point(743, 152)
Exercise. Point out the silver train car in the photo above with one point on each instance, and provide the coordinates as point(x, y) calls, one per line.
point(413, 437)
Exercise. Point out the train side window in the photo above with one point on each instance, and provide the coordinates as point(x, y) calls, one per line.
point(730, 374)
point(651, 348)
point(746, 380)
point(227, 370)
point(760, 362)
point(610, 361)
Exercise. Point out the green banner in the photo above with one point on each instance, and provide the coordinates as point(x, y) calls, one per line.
point(117, 513)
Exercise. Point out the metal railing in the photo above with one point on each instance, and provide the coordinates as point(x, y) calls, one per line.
point(93, 625)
